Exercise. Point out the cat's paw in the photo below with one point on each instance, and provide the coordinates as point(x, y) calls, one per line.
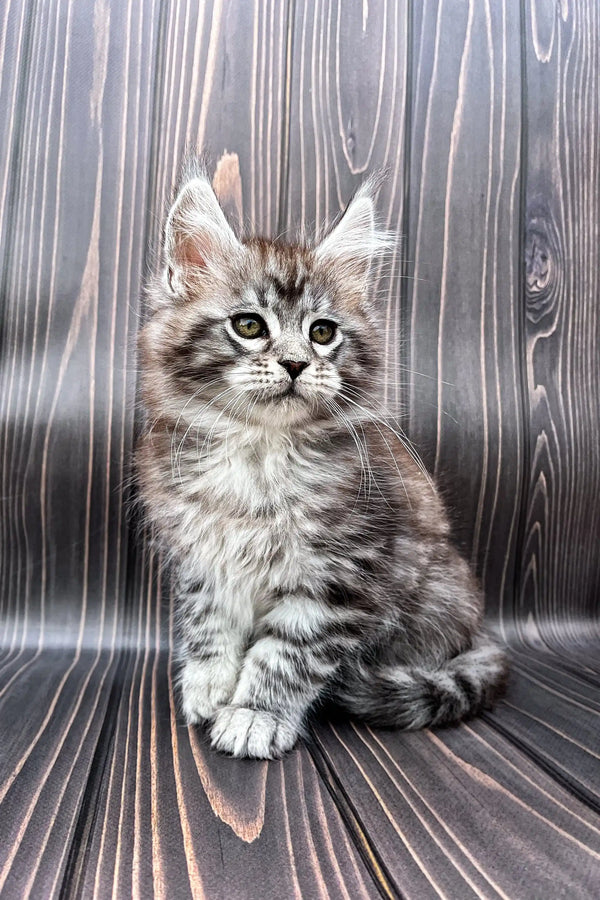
point(253, 733)
point(204, 690)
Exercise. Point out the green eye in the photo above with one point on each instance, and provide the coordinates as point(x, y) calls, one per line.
point(322, 332)
point(249, 326)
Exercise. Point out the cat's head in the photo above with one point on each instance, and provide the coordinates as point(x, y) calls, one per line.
point(261, 331)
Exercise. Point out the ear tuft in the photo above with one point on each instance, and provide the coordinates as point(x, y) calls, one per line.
point(198, 237)
point(352, 244)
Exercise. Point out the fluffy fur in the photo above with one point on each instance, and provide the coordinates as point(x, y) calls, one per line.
point(311, 551)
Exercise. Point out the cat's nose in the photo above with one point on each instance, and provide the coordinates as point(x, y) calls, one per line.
point(293, 367)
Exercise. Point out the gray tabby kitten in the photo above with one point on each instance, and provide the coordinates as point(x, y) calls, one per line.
point(312, 553)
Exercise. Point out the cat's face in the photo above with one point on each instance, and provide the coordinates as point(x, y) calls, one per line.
point(261, 331)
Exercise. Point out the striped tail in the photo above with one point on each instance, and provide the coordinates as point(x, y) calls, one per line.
point(413, 697)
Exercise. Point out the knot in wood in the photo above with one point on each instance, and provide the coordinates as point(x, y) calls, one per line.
point(540, 268)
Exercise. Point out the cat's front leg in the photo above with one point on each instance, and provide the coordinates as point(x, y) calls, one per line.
point(294, 656)
point(212, 651)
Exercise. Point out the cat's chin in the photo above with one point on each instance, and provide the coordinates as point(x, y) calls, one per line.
point(286, 408)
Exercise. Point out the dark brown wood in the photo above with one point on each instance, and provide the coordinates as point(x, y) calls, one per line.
point(201, 826)
point(462, 813)
point(74, 250)
point(485, 118)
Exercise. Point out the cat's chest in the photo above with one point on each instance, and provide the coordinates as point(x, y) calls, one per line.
point(260, 481)
point(258, 516)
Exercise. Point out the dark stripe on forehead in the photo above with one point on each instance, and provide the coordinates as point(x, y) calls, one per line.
point(290, 289)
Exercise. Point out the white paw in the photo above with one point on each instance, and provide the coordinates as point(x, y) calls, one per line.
point(205, 689)
point(254, 733)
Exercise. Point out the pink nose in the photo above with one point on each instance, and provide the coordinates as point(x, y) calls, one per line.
point(292, 367)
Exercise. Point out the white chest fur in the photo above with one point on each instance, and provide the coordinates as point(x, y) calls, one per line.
point(251, 511)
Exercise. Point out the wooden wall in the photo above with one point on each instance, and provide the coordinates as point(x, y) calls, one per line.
point(485, 117)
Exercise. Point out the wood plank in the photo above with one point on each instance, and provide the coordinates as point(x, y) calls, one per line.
point(103, 790)
point(552, 713)
point(558, 583)
point(47, 756)
point(162, 806)
point(463, 243)
point(74, 266)
point(347, 120)
point(219, 90)
point(15, 38)
point(114, 792)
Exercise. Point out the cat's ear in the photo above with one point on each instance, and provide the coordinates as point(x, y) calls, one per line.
point(198, 237)
point(353, 244)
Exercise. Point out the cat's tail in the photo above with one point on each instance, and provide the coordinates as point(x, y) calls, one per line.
point(413, 697)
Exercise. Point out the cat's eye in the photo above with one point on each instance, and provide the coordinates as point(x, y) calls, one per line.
point(249, 326)
point(322, 332)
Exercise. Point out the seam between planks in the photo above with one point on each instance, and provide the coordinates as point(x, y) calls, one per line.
point(87, 814)
point(364, 845)
point(568, 784)
point(521, 323)
point(284, 177)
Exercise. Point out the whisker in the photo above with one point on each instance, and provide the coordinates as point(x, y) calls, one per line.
point(371, 480)
point(196, 394)
point(332, 406)
point(176, 462)
point(399, 434)
point(209, 436)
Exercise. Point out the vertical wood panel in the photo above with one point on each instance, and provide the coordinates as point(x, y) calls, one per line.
point(347, 121)
point(101, 786)
point(559, 577)
point(77, 229)
point(15, 34)
point(464, 249)
point(220, 87)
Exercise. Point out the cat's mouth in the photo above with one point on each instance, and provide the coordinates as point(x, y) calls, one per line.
point(290, 394)
point(286, 390)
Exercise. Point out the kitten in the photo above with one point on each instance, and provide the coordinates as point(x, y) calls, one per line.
point(312, 553)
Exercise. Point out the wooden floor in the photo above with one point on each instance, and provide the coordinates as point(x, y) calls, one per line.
point(485, 117)
point(106, 794)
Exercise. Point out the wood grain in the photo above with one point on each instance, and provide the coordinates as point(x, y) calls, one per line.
point(218, 91)
point(558, 583)
point(463, 813)
point(73, 262)
point(348, 102)
point(202, 826)
point(464, 292)
point(484, 117)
